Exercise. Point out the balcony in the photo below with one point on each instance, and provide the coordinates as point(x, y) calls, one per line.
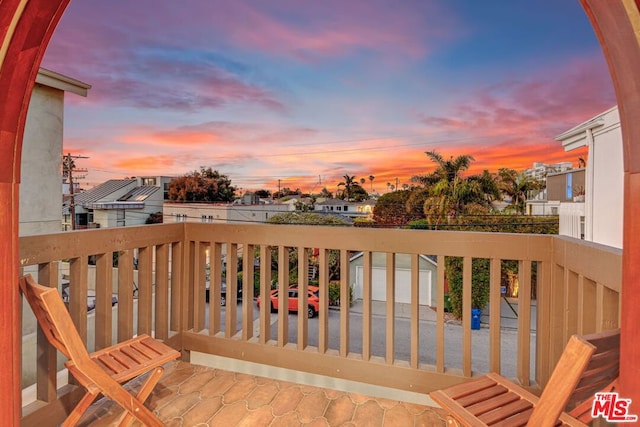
point(577, 290)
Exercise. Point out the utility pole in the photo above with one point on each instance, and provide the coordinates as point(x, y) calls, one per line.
point(68, 168)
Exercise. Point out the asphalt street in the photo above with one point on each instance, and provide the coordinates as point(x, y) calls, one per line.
point(402, 345)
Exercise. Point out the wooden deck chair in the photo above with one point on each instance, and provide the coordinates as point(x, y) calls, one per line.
point(104, 371)
point(588, 364)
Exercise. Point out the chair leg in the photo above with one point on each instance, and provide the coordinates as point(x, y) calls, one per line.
point(80, 408)
point(143, 394)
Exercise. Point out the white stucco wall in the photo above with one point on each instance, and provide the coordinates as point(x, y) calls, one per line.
point(41, 173)
point(608, 183)
point(604, 195)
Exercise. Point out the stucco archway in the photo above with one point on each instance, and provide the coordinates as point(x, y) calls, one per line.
point(26, 27)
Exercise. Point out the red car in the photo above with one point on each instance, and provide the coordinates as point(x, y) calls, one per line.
point(313, 301)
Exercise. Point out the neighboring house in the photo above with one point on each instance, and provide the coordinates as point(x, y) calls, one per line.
point(41, 167)
point(223, 213)
point(349, 209)
point(564, 191)
point(603, 182)
point(427, 278)
point(118, 202)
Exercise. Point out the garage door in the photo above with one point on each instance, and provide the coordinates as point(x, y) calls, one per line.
point(403, 285)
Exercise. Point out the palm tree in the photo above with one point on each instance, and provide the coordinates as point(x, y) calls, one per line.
point(450, 194)
point(516, 186)
point(446, 169)
point(348, 183)
point(371, 178)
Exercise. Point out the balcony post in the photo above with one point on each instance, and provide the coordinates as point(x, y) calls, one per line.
point(615, 24)
point(25, 30)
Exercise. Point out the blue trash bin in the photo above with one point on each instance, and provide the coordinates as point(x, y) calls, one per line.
point(475, 318)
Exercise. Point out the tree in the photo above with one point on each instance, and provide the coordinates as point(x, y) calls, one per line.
point(359, 194)
point(371, 178)
point(348, 183)
point(451, 194)
point(263, 194)
point(391, 209)
point(516, 186)
point(286, 191)
point(326, 193)
point(205, 185)
point(446, 169)
point(154, 218)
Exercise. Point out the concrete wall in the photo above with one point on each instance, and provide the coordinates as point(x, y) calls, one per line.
point(41, 175)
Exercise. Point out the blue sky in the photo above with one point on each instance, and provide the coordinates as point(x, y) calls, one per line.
point(306, 92)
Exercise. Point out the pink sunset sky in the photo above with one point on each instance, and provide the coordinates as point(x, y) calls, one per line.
point(307, 92)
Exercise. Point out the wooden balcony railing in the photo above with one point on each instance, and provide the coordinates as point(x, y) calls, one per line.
point(577, 290)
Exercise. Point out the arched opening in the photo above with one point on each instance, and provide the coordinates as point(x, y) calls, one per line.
point(27, 26)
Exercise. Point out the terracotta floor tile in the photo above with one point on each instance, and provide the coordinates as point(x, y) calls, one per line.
point(368, 414)
point(196, 383)
point(178, 406)
point(387, 403)
point(261, 417)
point(176, 376)
point(286, 400)
point(290, 419)
point(340, 410)
point(217, 386)
point(202, 411)
point(262, 395)
point(431, 418)
point(312, 406)
point(318, 422)
point(239, 391)
point(229, 415)
point(192, 396)
point(397, 416)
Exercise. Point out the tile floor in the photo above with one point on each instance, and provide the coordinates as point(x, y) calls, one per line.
point(191, 395)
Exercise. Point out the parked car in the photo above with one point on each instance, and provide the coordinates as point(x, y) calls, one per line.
point(223, 292)
point(313, 300)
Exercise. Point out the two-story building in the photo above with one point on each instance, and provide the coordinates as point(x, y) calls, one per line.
point(41, 192)
point(117, 203)
point(603, 180)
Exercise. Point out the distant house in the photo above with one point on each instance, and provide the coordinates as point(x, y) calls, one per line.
point(349, 209)
point(41, 168)
point(603, 181)
point(223, 212)
point(427, 278)
point(118, 203)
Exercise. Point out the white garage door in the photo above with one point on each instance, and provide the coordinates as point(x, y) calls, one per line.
point(403, 285)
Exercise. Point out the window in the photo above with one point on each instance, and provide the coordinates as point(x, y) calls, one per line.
point(120, 218)
point(180, 217)
point(149, 181)
point(569, 186)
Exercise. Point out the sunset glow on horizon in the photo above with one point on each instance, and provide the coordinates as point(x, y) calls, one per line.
point(299, 94)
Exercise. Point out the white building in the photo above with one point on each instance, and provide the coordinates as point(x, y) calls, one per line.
point(41, 167)
point(349, 209)
point(119, 202)
point(603, 195)
point(540, 170)
point(223, 213)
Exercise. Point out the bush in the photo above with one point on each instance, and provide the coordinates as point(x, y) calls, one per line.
point(334, 293)
point(479, 284)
